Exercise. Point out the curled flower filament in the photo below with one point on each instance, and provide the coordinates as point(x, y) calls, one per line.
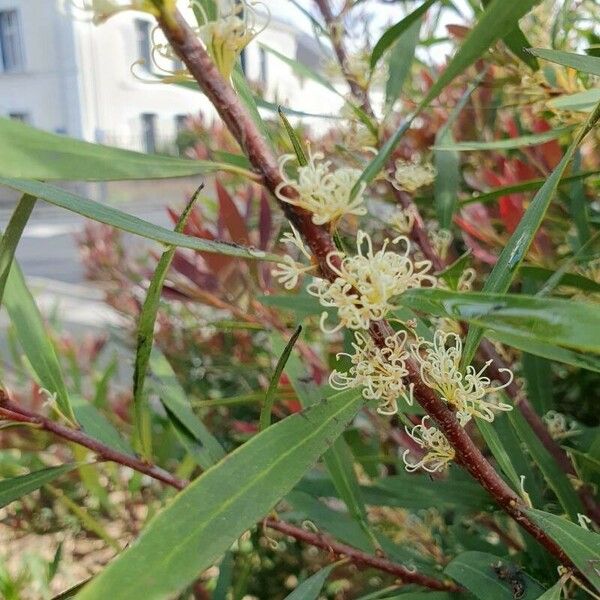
point(326, 193)
point(471, 393)
point(410, 176)
point(367, 282)
point(379, 371)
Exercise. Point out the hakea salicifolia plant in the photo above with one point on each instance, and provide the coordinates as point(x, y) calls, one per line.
point(363, 292)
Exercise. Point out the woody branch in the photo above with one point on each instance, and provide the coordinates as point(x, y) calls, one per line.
point(201, 67)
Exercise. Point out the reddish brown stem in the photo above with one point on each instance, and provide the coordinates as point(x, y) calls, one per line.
point(12, 412)
point(360, 558)
point(185, 43)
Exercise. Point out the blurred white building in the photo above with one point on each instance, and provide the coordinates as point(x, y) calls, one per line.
point(66, 75)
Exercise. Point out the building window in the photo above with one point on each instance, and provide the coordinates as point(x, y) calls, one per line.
point(263, 65)
point(244, 61)
point(181, 123)
point(149, 132)
point(143, 34)
point(11, 45)
point(24, 117)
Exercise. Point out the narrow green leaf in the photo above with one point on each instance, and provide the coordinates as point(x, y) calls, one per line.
point(393, 34)
point(518, 245)
point(225, 577)
point(204, 447)
point(72, 591)
point(538, 376)
point(551, 320)
point(400, 60)
point(572, 280)
point(265, 413)
point(554, 593)
point(29, 153)
point(447, 162)
point(340, 465)
point(531, 139)
point(13, 488)
point(577, 205)
point(490, 577)
point(496, 446)
point(296, 143)
point(221, 504)
point(145, 336)
point(271, 106)
point(580, 545)
point(580, 101)
point(310, 588)
point(116, 218)
point(11, 237)
point(553, 475)
point(31, 333)
point(580, 62)
point(525, 186)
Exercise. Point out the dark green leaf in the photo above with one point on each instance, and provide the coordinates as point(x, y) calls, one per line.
point(145, 336)
point(11, 237)
point(221, 504)
point(265, 413)
point(393, 34)
point(16, 487)
point(400, 60)
point(580, 545)
point(294, 139)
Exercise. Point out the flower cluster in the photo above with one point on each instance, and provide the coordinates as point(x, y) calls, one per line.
point(227, 35)
point(470, 393)
point(326, 193)
point(367, 282)
point(404, 219)
point(438, 452)
point(410, 176)
point(380, 371)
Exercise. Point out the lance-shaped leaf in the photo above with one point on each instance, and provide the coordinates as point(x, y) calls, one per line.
point(579, 62)
point(13, 488)
point(121, 220)
point(29, 153)
point(145, 336)
point(202, 521)
point(311, 587)
point(580, 545)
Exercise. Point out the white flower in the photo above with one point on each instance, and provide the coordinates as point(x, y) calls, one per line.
point(288, 272)
point(439, 452)
point(367, 282)
point(471, 393)
point(379, 371)
point(557, 425)
point(326, 194)
point(410, 176)
point(226, 36)
point(404, 219)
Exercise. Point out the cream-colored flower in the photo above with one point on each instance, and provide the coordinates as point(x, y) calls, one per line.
point(325, 193)
point(558, 427)
point(440, 239)
point(226, 36)
point(379, 371)
point(410, 176)
point(438, 453)
point(294, 239)
point(288, 272)
point(367, 282)
point(101, 10)
point(470, 393)
point(404, 219)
